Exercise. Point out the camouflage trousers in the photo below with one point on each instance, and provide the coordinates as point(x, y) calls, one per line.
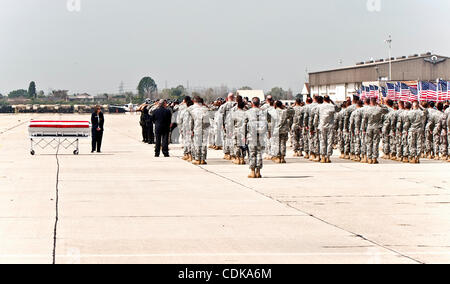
point(306, 140)
point(387, 143)
point(279, 145)
point(326, 136)
point(415, 139)
point(429, 142)
point(443, 144)
point(255, 158)
point(347, 142)
point(297, 139)
point(356, 144)
point(239, 151)
point(363, 143)
point(372, 139)
point(200, 153)
point(341, 142)
point(314, 143)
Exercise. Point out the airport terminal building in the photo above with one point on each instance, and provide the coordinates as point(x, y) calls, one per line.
point(344, 82)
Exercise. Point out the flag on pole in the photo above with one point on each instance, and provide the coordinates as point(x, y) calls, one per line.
point(414, 94)
point(372, 91)
point(397, 92)
point(432, 93)
point(424, 88)
point(390, 91)
point(384, 93)
point(442, 91)
point(405, 93)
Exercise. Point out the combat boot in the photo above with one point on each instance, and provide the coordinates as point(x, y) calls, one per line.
point(323, 160)
point(258, 173)
point(364, 160)
point(196, 162)
point(185, 157)
point(393, 157)
point(312, 157)
point(412, 160)
point(203, 162)
point(370, 162)
point(282, 160)
point(328, 160)
point(252, 174)
point(444, 158)
point(300, 154)
point(437, 158)
point(235, 161)
point(219, 148)
point(347, 156)
point(190, 159)
point(342, 156)
point(357, 158)
point(375, 161)
point(242, 161)
point(317, 159)
point(405, 160)
point(295, 154)
point(307, 156)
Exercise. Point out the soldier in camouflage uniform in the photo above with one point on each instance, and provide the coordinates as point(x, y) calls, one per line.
point(355, 131)
point(403, 130)
point(281, 119)
point(237, 121)
point(200, 116)
point(255, 132)
point(433, 129)
point(339, 129)
point(314, 143)
point(372, 123)
point(225, 111)
point(347, 135)
point(393, 133)
point(268, 107)
point(325, 120)
point(187, 131)
point(187, 102)
point(217, 128)
point(297, 129)
point(305, 113)
point(446, 131)
point(387, 131)
point(414, 127)
point(363, 133)
point(399, 130)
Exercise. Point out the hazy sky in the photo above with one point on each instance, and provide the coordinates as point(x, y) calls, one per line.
point(205, 42)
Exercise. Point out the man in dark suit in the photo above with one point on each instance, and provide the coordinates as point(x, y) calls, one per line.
point(162, 118)
point(98, 121)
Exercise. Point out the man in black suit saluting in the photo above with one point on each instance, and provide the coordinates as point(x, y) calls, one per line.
point(162, 118)
point(98, 121)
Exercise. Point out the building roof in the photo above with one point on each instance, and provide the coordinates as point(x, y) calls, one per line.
point(372, 63)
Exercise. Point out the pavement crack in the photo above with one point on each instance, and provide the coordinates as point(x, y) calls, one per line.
point(55, 228)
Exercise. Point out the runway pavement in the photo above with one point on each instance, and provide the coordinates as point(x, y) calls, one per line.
point(125, 206)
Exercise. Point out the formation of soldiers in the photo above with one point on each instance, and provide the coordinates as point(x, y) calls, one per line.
point(248, 131)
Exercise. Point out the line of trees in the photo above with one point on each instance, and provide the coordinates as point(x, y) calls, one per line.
point(147, 88)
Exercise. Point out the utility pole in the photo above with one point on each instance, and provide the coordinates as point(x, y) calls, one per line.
point(389, 42)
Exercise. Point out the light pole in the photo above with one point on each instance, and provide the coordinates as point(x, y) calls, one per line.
point(389, 42)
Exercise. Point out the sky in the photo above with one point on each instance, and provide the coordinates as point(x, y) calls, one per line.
point(208, 43)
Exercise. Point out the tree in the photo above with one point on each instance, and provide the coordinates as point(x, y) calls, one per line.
point(278, 93)
point(18, 94)
point(60, 95)
point(147, 88)
point(32, 90)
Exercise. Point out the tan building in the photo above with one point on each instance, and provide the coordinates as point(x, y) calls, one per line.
point(344, 82)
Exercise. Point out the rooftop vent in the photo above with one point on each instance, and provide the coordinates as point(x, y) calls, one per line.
point(413, 56)
point(360, 63)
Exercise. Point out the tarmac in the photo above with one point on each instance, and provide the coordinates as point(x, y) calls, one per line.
point(125, 206)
